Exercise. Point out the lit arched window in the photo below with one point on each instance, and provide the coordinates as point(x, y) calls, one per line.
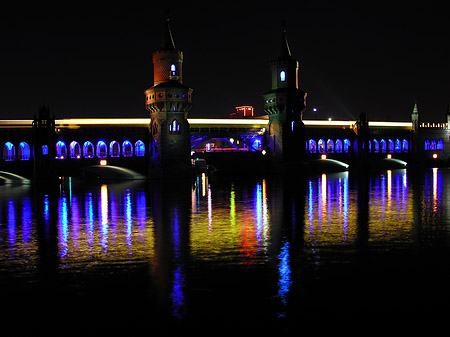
point(173, 69)
point(398, 146)
point(433, 145)
point(24, 151)
point(139, 148)
point(75, 150)
point(127, 149)
point(376, 146)
point(391, 145)
point(114, 149)
point(155, 128)
point(9, 152)
point(88, 150)
point(174, 127)
point(321, 146)
point(312, 146)
point(405, 146)
point(383, 146)
point(347, 145)
point(102, 150)
point(427, 144)
point(282, 76)
point(330, 146)
point(440, 145)
point(61, 150)
point(338, 146)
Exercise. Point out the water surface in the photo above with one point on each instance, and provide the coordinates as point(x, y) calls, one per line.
point(250, 256)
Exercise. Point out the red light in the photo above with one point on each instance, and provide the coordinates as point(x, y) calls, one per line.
point(435, 155)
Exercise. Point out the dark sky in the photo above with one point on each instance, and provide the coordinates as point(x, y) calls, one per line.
point(376, 57)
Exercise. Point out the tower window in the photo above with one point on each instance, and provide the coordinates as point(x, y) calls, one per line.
point(174, 127)
point(282, 76)
point(173, 69)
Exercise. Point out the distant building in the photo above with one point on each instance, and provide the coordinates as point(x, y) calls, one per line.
point(243, 111)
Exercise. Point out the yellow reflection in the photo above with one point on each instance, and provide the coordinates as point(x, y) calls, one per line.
point(330, 210)
point(435, 189)
point(389, 189)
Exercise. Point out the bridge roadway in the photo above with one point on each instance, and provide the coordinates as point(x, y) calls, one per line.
point(123, 142)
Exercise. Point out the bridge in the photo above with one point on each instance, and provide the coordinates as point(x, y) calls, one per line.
point(120, 147)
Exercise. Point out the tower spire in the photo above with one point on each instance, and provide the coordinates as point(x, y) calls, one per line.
point(285, 51)
point(167, 38)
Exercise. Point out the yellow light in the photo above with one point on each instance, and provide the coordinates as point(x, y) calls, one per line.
point(435, 155)
point(103, 162)
point(263, 152)
point(324, 156)
point(389, 156)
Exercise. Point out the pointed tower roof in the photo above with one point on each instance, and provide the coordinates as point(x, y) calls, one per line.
point(415, 109)
point(285, 51)
point(167, 38)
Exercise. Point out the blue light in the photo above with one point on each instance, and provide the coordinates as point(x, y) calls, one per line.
point(284, 271)
point(102, 150)
point(282, 76)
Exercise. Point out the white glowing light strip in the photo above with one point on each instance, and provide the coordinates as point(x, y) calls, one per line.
point(328, 123)
point(103, 121)
point(226, 121)
point(391, 124)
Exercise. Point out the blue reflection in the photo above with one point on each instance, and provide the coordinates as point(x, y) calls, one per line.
point(177, 294)
point(11, 223)
point(26, 220)
point(284, 271)
point(89, 219)
point(63, 230)
point(128, 207)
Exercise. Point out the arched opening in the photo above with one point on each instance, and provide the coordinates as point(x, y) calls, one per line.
point(383, 146)
point(61, 150)
point(321, 146)
point(114, 149)
point(330, 146)
point(405, 146)
point(440, 145)
point(9, 152)
point(24, 151)
point(127, 148)
point(376, 146)
point(391, 145)
point(102, 150)
point(88, 149)
point(338, 146)
point(75, 150)
point(174, 127)
point(347, 145)
point(427, 144)
point(312, 146)
point(398, 146)
point(139, 148)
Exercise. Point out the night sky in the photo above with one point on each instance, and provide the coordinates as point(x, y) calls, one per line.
point(375, 57)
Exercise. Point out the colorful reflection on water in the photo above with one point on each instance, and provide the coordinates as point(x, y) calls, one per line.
point(184, 232)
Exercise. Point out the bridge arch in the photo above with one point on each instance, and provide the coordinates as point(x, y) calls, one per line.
point(9, 152)
point(127, 148)
point(114, 149)
point(139, 148)
point(75, 150)
point(88, 149)
point(24, 151)
point(61, 150)
point(102, 150)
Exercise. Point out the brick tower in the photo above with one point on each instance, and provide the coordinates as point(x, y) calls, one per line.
point(285, 104)
point(168, 102)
